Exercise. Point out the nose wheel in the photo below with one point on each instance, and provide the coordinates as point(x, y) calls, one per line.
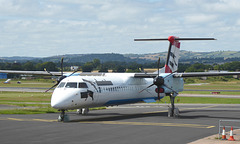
point(63, 117)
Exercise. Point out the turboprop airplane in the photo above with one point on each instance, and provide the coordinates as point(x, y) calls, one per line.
point(82, 91)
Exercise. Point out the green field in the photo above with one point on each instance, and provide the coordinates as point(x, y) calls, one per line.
point(42, 83)
point(232, 85)
point(202, 100)
point(28, 103)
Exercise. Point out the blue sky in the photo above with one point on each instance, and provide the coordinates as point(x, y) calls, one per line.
point(42, 28)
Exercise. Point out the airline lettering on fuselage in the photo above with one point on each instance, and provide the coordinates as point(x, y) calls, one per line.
point(90, 93)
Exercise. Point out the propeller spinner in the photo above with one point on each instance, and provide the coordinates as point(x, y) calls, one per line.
point(159, 82)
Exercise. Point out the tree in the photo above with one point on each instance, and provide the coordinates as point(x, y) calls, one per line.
point(103, 68)
point(87, 67)
point(134, 67)
point(96, 63)
point(198, 67)
point(50, 66)
point(119, 68)
point(29, 66)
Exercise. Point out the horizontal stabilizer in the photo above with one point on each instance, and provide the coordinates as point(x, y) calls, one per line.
point(189, 74)
point(204, 74)
point(175, 38)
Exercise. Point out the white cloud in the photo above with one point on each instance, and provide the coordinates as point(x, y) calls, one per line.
point(200, 18)
point(44, 28)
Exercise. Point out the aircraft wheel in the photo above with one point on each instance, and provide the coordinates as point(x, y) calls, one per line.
point(79, 111)
point(85, 111)
point(61, 116)
point(176, 113)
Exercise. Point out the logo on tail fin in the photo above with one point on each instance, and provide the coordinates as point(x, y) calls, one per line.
point(173, 55)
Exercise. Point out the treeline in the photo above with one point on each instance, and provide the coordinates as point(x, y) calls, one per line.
point(115, 66)
point(29, 66)
point(199, 67)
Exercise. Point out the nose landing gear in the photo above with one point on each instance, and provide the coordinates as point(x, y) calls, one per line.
point(63, 117)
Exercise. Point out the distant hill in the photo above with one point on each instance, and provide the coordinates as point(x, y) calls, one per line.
point(188, 55)
point(76, 58)
point(193, 57)
point(185, 57)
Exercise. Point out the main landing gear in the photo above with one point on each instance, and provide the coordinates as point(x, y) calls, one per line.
point(83, 111)
point(172, 111)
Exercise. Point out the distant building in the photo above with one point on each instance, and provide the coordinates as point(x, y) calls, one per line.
point(3, 76)
point(74, 68)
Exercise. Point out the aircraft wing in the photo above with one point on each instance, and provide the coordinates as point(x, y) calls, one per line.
point(30, 72)
point(190, 74)
point(204, 74)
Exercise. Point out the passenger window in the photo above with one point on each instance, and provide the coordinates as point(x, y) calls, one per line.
point(61, 85)
point(82, 85)
point(71, 85)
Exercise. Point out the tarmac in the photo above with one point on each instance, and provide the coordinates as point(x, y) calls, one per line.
point(135, 124)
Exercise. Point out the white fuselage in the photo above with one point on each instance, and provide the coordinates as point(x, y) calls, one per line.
point(110, 89)
point(107, 89)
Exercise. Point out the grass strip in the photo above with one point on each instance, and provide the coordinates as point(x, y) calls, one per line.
point(39, 110)
point(202, 100)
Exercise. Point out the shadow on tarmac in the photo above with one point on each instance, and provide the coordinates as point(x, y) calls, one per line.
point(117, 116)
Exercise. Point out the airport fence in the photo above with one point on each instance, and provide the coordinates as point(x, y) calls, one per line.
point(228, 124)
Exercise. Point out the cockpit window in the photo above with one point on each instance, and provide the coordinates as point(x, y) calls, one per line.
point(82, 85)
point(71, 85)
point(61, 85)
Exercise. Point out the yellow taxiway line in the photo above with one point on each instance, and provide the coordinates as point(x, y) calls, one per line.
point(18, 119)
point(127, 123)
point(119, 123)
point(149, 124)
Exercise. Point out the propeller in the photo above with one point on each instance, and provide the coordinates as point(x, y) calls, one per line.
point(159, 81)
point(60, 78)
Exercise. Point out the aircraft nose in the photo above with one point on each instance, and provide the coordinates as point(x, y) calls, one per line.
point(59, 102)
point(55, 104)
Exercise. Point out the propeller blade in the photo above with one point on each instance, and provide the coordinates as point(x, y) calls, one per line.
point(62, 66)
point(52, 87)
point(73, 73)
point(146, 88)
point(48, 72)
point(158, 93)
point(91, 84)
point(171, 89)
point(168, 75)
point(158, 65)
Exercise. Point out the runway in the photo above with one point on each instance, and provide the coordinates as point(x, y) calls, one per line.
point(135, 124)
